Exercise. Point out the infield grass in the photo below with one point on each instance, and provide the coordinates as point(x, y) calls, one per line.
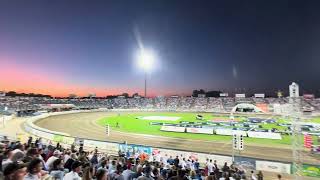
point(128, 122)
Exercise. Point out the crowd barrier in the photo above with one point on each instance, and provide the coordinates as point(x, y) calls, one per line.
point(113, 148)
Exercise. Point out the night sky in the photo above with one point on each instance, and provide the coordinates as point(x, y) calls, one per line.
point(62, 47)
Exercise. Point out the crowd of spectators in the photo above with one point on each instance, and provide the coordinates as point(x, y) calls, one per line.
point(34, 160)
point(222, 104)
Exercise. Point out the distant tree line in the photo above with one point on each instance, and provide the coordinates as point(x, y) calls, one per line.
point(15, 94)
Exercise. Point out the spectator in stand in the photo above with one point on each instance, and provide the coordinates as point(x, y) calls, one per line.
point(66, 156)
point(260, 175)
point(70, 161)
point(15, 171)
point(112, 166)
point(279, 176)
point(117, 175)
point(101, 174)
point(127, 173)
point(210, 167)
point(88, 172)
point(176, 161)
point(138, 173)
point(170, 160)
point(56, 155)
point(225, 167)
point(34, 170)
point(57, 171)
point(74, 174)
point(6, 159)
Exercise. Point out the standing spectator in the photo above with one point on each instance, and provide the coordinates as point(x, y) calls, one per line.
point(33, 169)
point(260, 175)
point(127, 173)
point(225, 167)
point(196, 165)
point(74, 174)
point(176, 161)
point(279, 176)
point(210, 167)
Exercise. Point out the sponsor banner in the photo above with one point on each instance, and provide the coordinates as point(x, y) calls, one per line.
point(273, 167)
point(160, 118)
point(240, 95)
point(200, 130)
point(264, 135)
point(311, 170)
point(224, 94)
point(259, 95)
point(131, 149)
point(173, 128)
point(111, 148)
point(245, 162)
point(230, 132)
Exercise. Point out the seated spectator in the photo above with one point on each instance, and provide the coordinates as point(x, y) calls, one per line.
point(74, 174)
point(33, 170)
point(55, 156)
point(15, 171)
point(70, 161)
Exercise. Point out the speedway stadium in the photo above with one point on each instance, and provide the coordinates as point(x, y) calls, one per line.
point(201, 127)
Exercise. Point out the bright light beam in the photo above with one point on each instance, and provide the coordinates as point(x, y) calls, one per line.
point(146, 59)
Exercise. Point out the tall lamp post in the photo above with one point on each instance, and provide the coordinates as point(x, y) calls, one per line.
point(145, 59)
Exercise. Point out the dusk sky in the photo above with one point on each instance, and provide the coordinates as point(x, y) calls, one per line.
point(59, 47)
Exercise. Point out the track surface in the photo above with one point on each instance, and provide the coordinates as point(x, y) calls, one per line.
point(84, 125)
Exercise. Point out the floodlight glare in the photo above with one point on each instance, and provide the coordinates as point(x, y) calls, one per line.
point(146, 59)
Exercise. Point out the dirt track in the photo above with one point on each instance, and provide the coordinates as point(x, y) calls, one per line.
point(84, 125)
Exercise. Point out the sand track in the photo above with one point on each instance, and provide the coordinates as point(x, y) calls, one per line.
point(84, 125)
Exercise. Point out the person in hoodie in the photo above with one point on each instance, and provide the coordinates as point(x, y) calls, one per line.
point(57, 171)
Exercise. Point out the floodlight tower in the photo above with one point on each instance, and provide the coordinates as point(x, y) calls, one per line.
point(146, 59)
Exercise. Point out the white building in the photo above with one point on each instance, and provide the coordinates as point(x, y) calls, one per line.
point(2, 94)
point(294, 90)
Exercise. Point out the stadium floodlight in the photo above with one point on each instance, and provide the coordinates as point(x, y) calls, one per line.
point(146, 60)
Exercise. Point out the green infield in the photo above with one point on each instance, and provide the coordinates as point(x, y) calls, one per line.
point(140, 123)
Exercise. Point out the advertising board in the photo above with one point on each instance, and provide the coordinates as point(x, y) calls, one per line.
point(173, 128)
point(230, 132)
point(224, 94)
point(132, 149)
point(273, 167)
point(240, 95)
point(261, 95)
point(200, 130)
point(245, 162)
point(264, 135)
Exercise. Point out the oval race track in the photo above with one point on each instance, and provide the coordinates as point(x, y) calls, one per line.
point(84, 125)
